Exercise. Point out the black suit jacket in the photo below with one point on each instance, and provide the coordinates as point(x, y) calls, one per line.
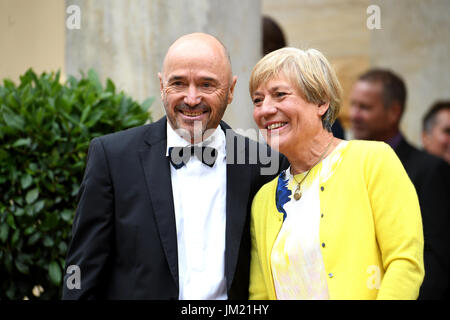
point(124, 232)
point(431, 178)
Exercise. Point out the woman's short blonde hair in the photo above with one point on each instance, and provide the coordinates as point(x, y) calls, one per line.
point(309, 71)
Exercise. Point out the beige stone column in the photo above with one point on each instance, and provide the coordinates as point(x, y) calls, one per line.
point(127, 40)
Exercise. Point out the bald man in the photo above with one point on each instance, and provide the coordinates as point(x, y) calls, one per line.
point(163, 208)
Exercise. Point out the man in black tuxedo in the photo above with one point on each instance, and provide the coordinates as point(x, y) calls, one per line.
point(377, 102)
point(163, 209)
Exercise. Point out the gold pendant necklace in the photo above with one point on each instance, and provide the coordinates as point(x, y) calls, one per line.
point(297, 192)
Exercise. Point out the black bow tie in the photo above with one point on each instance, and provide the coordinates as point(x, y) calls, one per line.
point(179, 156)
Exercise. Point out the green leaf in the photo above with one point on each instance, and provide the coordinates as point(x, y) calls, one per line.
point(93, 77)
point(125, 103)
point(147, 103)
point(18, 200)
point(11, 293)
point(4, 230)
point(48, 242)
point(22, 142)
point(54, 271)
point(50, 221)
point(26, 180)
point(3, 155)
point(110, 87)
point(105, 95)
point(19, 212)
point(62, 246)
point(75, 189)
point(34, 238)
point(39, 116)
point(13, 120)
point(85, 113)
point(10, 221)
point(93, 119)
point(38, 206)
point(22, 267)
point(66, 215)
point(29, 230)
point(15, 237)
point(8, 84)
point(32, 195)
point(73, 120)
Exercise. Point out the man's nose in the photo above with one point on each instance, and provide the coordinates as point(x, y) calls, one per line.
point(354, 113)
point(192, 97)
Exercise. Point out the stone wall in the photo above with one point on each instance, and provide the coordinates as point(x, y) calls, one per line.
point(31, 35)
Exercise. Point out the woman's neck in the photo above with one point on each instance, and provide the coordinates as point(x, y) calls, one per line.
point(309, 154)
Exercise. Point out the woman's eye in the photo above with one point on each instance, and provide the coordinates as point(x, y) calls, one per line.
point(257, 100)
point(280, 94)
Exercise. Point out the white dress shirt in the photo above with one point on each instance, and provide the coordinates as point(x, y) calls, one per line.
point(199, 196)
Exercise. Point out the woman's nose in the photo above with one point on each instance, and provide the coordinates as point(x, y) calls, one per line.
point(268, 107)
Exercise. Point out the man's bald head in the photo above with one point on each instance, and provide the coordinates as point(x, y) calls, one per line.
point(198, 44)
point(196, 84)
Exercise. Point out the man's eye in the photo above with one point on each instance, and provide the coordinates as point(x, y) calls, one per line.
point(207, 86)
point(280, 94)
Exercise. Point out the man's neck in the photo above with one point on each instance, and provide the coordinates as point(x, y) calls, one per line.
point(395, 139)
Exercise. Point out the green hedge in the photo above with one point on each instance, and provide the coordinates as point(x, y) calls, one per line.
point(45, 130)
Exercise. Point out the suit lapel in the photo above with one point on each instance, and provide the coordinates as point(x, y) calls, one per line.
point(238, 189)
point(157, 175)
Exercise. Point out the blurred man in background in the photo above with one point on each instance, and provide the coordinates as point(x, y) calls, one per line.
point(436, 130)
point(377, 103)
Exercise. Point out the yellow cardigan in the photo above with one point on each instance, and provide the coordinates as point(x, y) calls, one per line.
point(370, 223)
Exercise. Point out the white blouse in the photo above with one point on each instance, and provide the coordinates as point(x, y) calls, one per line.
point(297, 264)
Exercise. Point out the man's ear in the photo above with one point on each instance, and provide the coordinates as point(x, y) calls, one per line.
point(161, 84)
point(425, 139)
point(231, 90)
point(323, 108)
point(395, 112)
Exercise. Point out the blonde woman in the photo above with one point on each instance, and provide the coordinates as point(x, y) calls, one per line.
point(343, 221)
